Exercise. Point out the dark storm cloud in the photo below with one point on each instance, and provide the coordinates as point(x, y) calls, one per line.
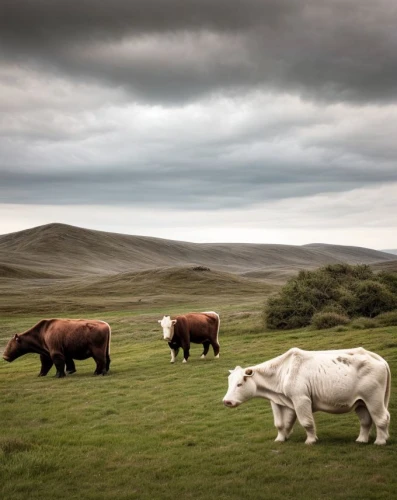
point(172, 187)
point(179, 50)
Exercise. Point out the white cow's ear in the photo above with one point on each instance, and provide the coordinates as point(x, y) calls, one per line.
point(159, 321)
point(248, 372)
point(231, 371)
point(174, 321)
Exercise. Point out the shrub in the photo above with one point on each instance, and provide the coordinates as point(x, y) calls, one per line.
point(373, 298)
point(389, 279)
point(340, 289)
point(324, 320)
point(387, 318)
point(363, 323)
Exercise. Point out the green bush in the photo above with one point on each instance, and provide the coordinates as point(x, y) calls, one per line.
point(387, 318)
point(363, 323)
point(340, 289)
point(324, 320)
point(373, 298)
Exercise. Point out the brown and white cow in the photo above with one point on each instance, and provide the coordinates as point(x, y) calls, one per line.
point(299, 383)
point(200, 328)
point(60, 341)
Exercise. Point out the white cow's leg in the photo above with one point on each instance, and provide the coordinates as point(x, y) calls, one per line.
point(289, 420)
point(173, 355)
point(284, 419)
point(303, 408)
point(381, 419)
point(278, 421)
point(365, 424)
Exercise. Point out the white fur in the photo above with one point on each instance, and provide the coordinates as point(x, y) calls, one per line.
point(299, 383)
point(168, 327)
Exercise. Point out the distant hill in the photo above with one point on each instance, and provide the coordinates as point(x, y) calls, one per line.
point(389, 266)
point(392, 251)
point(63, 250)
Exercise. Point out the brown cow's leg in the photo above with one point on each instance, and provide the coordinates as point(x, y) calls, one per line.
point(46, 365)
point(206, 346)
point(216, 347)
point(100, 360)
point(186, 352)
point(70, 366)
point(59, 362)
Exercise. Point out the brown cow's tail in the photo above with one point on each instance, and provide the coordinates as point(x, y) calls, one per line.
point(219, 325)
point(108, 346)
point(109, 338)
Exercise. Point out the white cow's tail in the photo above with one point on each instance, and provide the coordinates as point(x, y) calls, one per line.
point(388, 385)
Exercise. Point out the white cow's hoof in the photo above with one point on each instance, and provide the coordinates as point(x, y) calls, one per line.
point(172, 361)
point(311, 440)
point(217, 356)
point(380, 442)
point(203, 356)
point(184, 361)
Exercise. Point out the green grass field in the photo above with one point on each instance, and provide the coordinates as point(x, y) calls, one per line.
point(152, 430)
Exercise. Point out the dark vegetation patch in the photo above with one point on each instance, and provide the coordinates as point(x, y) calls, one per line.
point(13, 445)
point(323, 320)
point(332, 295)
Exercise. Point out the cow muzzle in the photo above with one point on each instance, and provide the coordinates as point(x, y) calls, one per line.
point(229, 404)
point(6, 358)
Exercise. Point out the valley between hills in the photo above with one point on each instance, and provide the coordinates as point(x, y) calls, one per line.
point(57, 268)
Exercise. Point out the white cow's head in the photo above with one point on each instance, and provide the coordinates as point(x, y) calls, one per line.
point(241, 387)
point(168, 327)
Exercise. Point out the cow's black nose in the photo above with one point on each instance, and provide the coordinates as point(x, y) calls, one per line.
point(227, 403)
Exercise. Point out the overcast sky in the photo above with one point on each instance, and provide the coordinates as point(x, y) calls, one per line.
point(271, 121)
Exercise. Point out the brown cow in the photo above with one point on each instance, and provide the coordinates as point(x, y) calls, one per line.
point(60, 341)
point(200, 328)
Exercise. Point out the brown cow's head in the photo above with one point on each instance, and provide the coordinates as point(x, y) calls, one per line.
point(168, 327)
point(14, 348)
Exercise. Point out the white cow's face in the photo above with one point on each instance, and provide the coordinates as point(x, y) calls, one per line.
point(168, 327)
point(241, 387)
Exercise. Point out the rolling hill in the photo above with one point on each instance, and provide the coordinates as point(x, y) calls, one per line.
point(62, 250)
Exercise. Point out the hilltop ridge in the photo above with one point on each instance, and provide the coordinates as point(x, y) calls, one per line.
point(63, 249)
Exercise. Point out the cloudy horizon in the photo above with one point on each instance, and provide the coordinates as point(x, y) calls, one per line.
point(268, 121)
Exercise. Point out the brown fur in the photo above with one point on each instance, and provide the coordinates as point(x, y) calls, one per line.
point(60, 341)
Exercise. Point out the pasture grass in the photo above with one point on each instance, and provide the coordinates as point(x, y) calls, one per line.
point(152, 430)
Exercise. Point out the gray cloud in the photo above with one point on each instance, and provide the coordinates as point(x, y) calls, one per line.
point(215, 107)
point(202, 187)
point(170, 52)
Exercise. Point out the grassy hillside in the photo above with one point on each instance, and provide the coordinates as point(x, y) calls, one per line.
point(152, 430)
point(67, 250)
point(155, 430)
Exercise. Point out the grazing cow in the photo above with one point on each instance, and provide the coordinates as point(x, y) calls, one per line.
point(60, 341)
point(200, 328)
point(299, 383)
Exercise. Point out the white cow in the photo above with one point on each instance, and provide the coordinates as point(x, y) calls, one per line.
point(299, 383)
